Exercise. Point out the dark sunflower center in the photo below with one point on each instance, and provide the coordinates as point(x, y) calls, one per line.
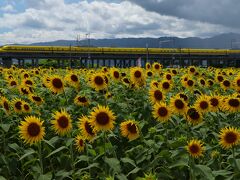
point(116, 74)
point(192, 70)
point(193, 114)
point(203, 105)
point(80, 142)
point(165, 85)
point(36, 98)
point(220, 78)
point(88, 128)
point(13, 83)
point(214, 102)
point(123, 74)
point(137, 74)
point(24, 91)
point(26, 76)
point(33, 129)
point(174, 71)
point(132, 128)
point(98, 80)
point(158, 95)
point(36, 72)
point(226, 83)
point(169, 77)
point(148, 66)
point(162, 111)
point(185, 79)
point(82, 99)
point(179, 104)
point(233, 102)
point(26, 107)
point(184, 97)
point(74, 78)
point(18, 105)
point(149, 73)
point(190, 82)
point(57, 83)
point(63, 121)
point(155, 84)
point(230, 137)
point(210, 83)
point(194, 149)
point(6, 106)
point(202, 82)
point(157, 66)
point(126, 80)
point(102, 118)
point(29, 82)
point(238, 82)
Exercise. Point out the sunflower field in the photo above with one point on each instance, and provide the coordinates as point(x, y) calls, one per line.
point(110, 123)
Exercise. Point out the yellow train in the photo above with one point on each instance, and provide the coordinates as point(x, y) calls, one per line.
point(111, 50)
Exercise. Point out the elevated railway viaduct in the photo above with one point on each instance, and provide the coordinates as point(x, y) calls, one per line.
point(119, 57)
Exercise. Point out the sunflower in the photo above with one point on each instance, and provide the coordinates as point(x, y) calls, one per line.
point(219, 78)
point(210, 83)
point(26, 107)
point(189, 83)
point(98, 81)
point(154, 84)
point(129, 129)
point(161, 112)
point(155, 95)
point(126, 81)
point(137, 75)
point(24, 90)
point(182, 96)
point(148, 65)
point(31, 130)
point(17, 105)
point(231, 104)
point(202, 82)
point(226, 84)
point(27, 82)
point(79, 142)
point(215, 103)
point(12, 83)
point(191, 70)
point(115, 74)
point(5, 104)
point(81, 100)
point(86, 129)
point(195, 148)
point(165, 86)
point(36, 99)
point(156, 67)
point(149, 73)
point(193, 116)
point(72, 80)
point(62, 122)
point(236, 82)
point(56, 84)
point(202, 104)
point(168, 76)
point(102, 118)
point(229, 137)
point(178, 105)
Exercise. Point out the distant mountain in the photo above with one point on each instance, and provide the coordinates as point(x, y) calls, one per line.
point(226, 41)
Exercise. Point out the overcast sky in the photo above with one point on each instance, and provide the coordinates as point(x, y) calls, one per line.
point(28, 21)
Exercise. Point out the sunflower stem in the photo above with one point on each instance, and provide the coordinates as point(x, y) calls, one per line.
point(191, 168)
point(236, 169)
point(40, 156)
point(65, 96)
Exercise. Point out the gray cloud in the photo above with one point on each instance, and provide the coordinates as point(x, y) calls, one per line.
point(224, 12)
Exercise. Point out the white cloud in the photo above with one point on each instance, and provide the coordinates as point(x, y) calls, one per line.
point(8, 8)
point(49, 20)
